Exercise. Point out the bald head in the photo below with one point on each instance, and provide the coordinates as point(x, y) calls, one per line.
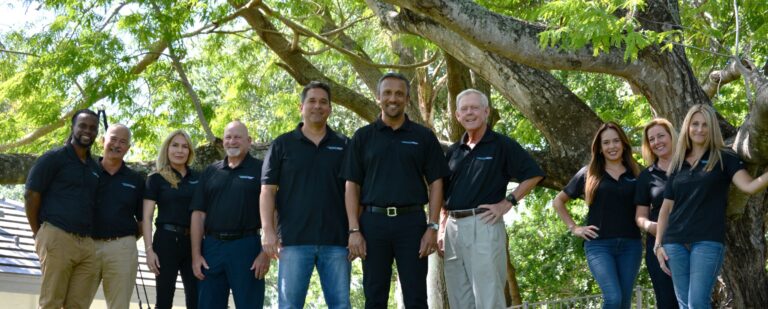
point(237, 142)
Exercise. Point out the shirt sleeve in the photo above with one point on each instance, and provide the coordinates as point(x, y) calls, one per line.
point(352, 168)
point(732, 163)
point(669, 192)
point(42, 173)
point(270, 170)
point(152, 187)
point(435, 166)
point(643, 189)
point(139, 212)
point(575, 187)
point(198, 198)
point(520, 166)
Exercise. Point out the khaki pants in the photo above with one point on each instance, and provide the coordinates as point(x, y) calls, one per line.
point(475, 263)
point(68, 263)
point(118, 260)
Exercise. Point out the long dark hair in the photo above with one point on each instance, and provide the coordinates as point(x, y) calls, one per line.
point(597, 162)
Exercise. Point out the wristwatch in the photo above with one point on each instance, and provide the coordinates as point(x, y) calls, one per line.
point(433, 225)
point(512, 199)
point(352, 231)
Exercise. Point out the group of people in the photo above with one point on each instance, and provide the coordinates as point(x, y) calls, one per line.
point(319, 200)
point(679, 201)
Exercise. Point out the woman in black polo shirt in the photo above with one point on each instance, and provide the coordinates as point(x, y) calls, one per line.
point(659, 138)
point(691, 227)
point(171, 187)
point(607, 185)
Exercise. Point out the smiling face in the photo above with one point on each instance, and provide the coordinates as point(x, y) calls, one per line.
point(392, 97)
point(236, 140)
point(611, 146)
point(84, 130)
point(316, 107)
point(471, 112)
point(178, 150)
point(698, 130)
point(660, 141)
point(117, 141)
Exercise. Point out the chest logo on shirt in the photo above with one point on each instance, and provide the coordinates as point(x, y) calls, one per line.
point(410, 142)
point(335, 148)
point(484, 158)
point(95, 174)
point(193, 182)
point(128, 185)
point(246, 177)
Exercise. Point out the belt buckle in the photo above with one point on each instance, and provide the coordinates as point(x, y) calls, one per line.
point(391, 211)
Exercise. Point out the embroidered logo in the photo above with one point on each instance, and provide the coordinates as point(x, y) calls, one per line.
point(95, 174)
point(128, 185)
point(246, 177)
point(335, 148)
point(410, 142)
point(484, 158)
point(193, 182)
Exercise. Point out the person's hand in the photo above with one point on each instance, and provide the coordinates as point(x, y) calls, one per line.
point(495, 211)
point(269, 244)
point(260, 266)
point(441, 240)
point(428, 243)
point(153, 262)
point(198, 263)
point(356, 246)
point(586, 232)
point(661, 255)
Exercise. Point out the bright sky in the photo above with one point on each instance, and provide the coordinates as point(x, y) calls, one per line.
point(15, 14)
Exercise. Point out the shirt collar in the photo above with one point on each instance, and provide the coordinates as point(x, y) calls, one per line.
point(380, 125)
point(488, 136)
point(122, 170)
point(297, 134)
point(246, 162)
point(70, 149)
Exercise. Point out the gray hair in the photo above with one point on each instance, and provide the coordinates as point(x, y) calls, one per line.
point(483, 97)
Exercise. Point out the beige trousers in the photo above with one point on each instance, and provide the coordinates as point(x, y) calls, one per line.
point(118, 261)
point(69, 266)
point(475, 263)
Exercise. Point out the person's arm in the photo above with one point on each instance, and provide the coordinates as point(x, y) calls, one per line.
point(496, 211)
point(356, 243)
point(750, 185)
point(32, 202)
point(661, 227)
point(197, 224)
point(429, 239)
point(642, 213)
point(586, 232)
point(146, 227)
point(269, 241)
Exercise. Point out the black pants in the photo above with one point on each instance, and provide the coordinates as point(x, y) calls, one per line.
point(175, 255)
point(391, 239)
point(662, 283)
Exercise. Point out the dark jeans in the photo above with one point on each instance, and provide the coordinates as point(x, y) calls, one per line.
point(662, 283)
point(229, 263)
point(694, 267)
point(175, 255)
point(614, 263)
point(391, 239)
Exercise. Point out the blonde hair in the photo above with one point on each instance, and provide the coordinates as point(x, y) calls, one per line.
point(163, 164)
point(648, 156)
point(714, 143)
point(597, 162)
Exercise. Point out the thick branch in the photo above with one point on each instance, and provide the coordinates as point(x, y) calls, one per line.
point(720, 78)
point(192, 95)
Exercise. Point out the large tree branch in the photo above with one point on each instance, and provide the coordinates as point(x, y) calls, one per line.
point(512, 38)
point(177, 65)
point(719, 78)
point(301, 69)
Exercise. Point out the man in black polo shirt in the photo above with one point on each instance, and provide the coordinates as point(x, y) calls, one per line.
point(482, 163)
point(388, 167)
point(225, 208)
point(59, 201)
point(117, 219)
point(300, 179)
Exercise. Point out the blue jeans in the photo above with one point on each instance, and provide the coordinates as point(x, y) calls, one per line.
point(229, 267)
point(295, 269)
point(694, 269)
point(614, 263)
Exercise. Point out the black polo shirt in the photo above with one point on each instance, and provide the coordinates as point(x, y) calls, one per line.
point(613, 208)
point(650, 190)
point(480, 175)
point(230, 197)
point(310, 196)
point(172, 203)
point(67, 187)
point(393, 167)
point(700, 200)
point(118, 203)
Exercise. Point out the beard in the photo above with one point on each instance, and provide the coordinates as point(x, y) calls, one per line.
point(82, 141)
point(233, 152)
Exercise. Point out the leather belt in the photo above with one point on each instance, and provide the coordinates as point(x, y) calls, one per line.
point(233, 235)
point(393, 211)
point(463, 213)
point(176, 229)
point(113, 238)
